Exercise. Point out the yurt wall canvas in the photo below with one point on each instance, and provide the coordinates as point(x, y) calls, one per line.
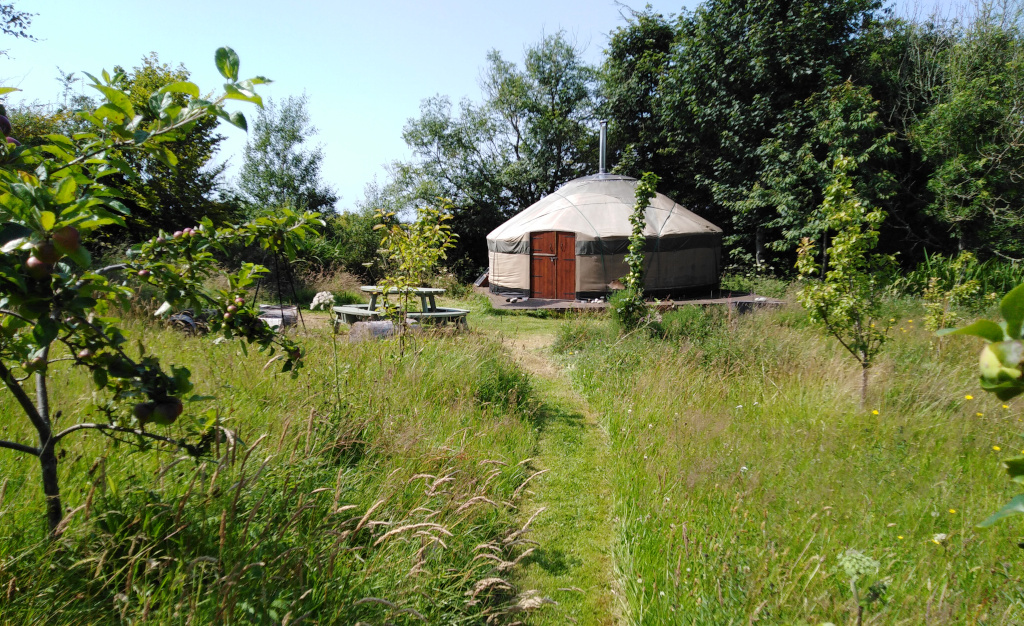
point(582, 231)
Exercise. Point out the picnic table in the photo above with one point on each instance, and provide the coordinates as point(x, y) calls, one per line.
point(429, 311)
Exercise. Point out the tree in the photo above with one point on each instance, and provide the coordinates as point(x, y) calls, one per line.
point(14, 23)
point(531, 133)
point(736, 68)
point(632, 78)
point(164, 195)
point(973, 135)
point(277, 171)
point(55, 307)
point(847, 301)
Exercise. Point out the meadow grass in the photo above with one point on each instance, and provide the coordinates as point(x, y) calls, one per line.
point(373, 488)
point(742, 469)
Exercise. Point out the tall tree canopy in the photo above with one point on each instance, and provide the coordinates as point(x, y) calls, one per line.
point(277, 168)
point(532, 132)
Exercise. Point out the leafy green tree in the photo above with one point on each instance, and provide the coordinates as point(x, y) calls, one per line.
point(56, 307)
point(632, 78)
point(277, 169)
point(974, 138)
point(847, 301)
point(165, 194)
point(531, 133)
point(798, 160)
point(736, 68)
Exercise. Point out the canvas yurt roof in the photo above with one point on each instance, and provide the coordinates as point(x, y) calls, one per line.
point(598, 207)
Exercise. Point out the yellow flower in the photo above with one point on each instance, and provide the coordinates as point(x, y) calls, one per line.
point(910, 321)
point(952, 510)
point(874, 412)
point(968, 397)
point(996, 448)
point(1006, 406)
point(980, 414)
point(899, 536)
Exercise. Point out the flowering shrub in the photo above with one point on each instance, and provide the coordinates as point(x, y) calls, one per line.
point(322, 301)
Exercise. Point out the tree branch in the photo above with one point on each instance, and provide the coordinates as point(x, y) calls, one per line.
point(120, 429)
point(20, 447)
point(24, 400)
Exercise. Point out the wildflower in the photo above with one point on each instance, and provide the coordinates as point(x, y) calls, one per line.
point(952, 510)
point(980, 414)
point(892, 320)
point(910, 321)
point(1006, 406)
point(996, 448)
point(874, 411)
point(899, 536)
point(739, 406)
point(743, 469)
point(939, 538)
point(935, 513)
point(968, 397)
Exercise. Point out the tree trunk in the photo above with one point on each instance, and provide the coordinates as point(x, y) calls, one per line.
point(51, 489)
point(760, 258)
point(863, 387)
point(47, 454)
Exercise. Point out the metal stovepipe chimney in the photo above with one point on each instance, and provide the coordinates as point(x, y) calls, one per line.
point(603, 159)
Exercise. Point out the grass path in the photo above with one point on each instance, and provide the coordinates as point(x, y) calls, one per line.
point(573, 564)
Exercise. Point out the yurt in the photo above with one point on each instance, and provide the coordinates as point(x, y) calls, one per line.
point(572, 244)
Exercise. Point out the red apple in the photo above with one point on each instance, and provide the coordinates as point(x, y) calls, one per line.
point(37, 268)
point(239, 300)
point(166, 412)
point(177, 234)
point(84, 354)
point(143, 411)
point(232, 308)
point(46, 252)
point(67, 239)
point(143, 273)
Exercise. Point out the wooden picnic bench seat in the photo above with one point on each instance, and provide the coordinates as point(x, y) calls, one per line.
point(442, 315)
point(352, 313)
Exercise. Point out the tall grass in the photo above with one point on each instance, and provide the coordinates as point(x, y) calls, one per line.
point(743, 469)
point(994, 275)
point(389, 498)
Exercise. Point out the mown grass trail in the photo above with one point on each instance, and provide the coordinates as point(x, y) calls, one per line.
point(570, 493)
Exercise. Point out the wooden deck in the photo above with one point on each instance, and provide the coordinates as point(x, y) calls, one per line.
point(740, 301)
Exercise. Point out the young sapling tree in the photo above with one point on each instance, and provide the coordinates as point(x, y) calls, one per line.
point(56, 308)
point(846, 302)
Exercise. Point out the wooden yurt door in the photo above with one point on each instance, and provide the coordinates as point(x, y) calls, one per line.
point(553, 265)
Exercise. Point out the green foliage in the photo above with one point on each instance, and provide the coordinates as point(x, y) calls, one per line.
point(946, 294)
point(529, 135)
point(973, 137)
point(1000, 365)
point(276, 170)
point(165, 194)
point(629, 309)
point(55, 306)
point(410, 253)
point(847, 301)
point(503, 384)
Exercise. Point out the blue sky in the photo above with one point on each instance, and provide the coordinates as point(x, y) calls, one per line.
point(364, 66)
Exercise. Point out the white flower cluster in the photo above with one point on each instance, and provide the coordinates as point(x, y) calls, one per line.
point(322, 301)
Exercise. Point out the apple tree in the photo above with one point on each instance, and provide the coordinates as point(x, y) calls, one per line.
point(55, 306)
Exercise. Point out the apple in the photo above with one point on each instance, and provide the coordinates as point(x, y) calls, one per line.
point(35, 365)
point(67, 239)
point(239, 300)
point(177, 234)
point(161, 240)
point(227, 316)
point(232, 308)
point(166, 412)
point(46, 252)
point(84, 354)
point(143, 273)
point(143, 411)
point(37, 268)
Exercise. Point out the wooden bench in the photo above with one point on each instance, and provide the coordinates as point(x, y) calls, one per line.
point(352, 313)
point(442, 316)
